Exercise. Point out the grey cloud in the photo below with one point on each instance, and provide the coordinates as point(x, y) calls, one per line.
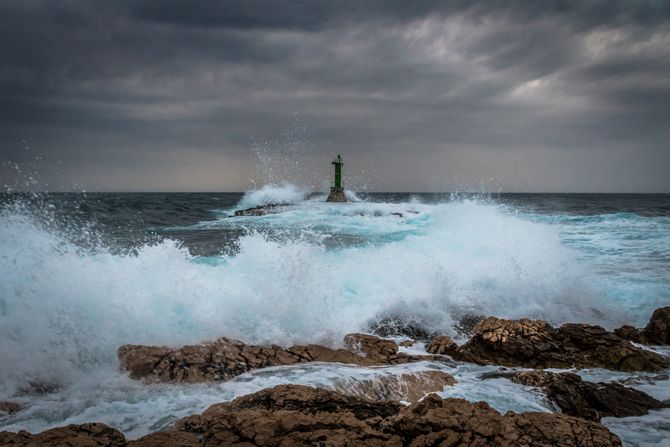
point(456, 93)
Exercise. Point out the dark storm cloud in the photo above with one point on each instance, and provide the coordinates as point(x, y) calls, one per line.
point(514, 95)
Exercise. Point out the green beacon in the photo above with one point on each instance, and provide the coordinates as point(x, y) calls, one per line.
point(337, 190)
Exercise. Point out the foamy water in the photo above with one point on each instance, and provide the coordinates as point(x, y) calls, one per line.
point(311, 273)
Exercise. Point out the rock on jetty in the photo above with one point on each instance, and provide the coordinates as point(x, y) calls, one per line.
point(225, 358)
point(288, 415)
point(584, 399)
point(536, 344)
point(261, 210)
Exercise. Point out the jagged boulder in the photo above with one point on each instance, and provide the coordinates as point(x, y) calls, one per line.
point(657, 331)
point(584, 399)
point(298, 415)
point(84, 435)
point(442, 345)
point(630, 333)
point(372, 348)
point(536, 344)
point(225, 358)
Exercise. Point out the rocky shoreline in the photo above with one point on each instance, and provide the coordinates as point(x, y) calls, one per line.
point(536, 344)
point(288, 415)
point(369, 412)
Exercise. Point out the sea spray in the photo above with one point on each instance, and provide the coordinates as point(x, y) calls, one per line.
point(270, 194)
point(69, 296)
point(66, 310)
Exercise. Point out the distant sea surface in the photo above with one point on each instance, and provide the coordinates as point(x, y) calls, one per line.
point(81, 274)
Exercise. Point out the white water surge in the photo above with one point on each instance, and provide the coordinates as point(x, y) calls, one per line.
point(64, 311)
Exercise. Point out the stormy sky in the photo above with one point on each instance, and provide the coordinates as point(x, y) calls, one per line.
point(416, 95)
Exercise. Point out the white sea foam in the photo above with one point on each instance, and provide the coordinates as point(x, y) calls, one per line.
point(273, 194)
point(62, 309)
point(65, 311)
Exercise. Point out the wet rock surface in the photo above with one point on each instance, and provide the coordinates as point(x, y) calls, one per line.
point(657, 331)
point(584, 399)
point(536, 344)
point(37, 388)
point(225, 358)
point(467, 323)
point(9, 408)
point(408, 387)
point(298, 415)
point(398, 325)
point(288, 415)
point(84, 435)
point(261, 210)
point(442, 345)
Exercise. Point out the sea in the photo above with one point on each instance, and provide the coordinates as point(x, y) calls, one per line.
point(84, 273)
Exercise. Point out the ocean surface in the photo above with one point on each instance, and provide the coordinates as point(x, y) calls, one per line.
point(82, 274)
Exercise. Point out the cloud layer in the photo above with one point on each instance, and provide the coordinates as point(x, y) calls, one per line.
point(417, 96)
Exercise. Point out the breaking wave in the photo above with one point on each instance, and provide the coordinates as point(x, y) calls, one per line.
point(65, 310)
point(273, 194)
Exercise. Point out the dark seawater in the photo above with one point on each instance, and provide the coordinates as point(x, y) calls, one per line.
point(126, 221)
point(82, 274)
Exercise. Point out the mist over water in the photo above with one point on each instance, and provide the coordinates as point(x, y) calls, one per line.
point(82, 275)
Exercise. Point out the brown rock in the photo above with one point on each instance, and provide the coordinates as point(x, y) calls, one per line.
point(587, 400)
point(290, 415)
point(10, 407)
point(84, 435)
point(435, 421)
point(141, 360)
point(466, 324)
point(536, 344)
point(170, 439)
point(225, 358)
point(630, 333)
point(370, 346)
point(409, 387)
point(400, 325)
point(442, 345)
point(657, 331)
